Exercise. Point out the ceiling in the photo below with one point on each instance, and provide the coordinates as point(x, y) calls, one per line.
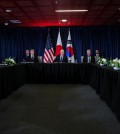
point(42, 12)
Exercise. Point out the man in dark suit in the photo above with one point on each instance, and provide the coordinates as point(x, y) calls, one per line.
point(33, 56)
point(88, 58)
point(61, 58)
point(26, 56)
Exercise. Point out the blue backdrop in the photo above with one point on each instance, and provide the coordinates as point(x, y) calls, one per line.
point(14, 41)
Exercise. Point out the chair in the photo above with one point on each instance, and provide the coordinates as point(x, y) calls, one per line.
point(40, 59)
point(82, 59)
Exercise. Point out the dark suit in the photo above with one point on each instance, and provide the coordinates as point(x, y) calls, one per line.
point(97, 57)
point(26, 58)
point(35, 59)
point(85, 59)
point(57, 59)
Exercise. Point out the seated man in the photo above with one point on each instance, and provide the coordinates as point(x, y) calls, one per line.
point(88, 58)
point(26, 56)
point(61, 58)
point(33, 56)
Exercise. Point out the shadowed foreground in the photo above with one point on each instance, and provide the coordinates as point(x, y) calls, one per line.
point(56, 109)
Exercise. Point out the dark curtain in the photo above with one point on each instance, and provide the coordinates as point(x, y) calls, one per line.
point(14, 41)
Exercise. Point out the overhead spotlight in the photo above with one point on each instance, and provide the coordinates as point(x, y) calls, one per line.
point(56, 2)
point(15, 21)
point(64, 20)
point(8, 11)
point(68, 11)
point(6, 23)
point(6, 16)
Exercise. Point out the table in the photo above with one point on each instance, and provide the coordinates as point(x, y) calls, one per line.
point(104, 80)
point(57, 73)
point(11, 78)
point(106, 83)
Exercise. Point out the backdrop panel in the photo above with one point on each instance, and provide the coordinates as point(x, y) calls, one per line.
point(14, 41)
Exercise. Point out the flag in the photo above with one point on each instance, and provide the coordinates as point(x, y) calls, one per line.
point(69, 49)
point(58, 45)
point(49, 52)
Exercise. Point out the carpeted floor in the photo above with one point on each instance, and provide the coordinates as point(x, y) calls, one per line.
point(56, 109)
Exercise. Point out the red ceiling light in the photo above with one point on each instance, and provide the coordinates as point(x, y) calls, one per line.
point(42, 13)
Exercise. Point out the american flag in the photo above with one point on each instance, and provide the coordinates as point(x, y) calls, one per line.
point(49, 52)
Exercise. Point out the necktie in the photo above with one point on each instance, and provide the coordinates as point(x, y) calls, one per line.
point(88, 59)
point(32, 57)
point(61, 59)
